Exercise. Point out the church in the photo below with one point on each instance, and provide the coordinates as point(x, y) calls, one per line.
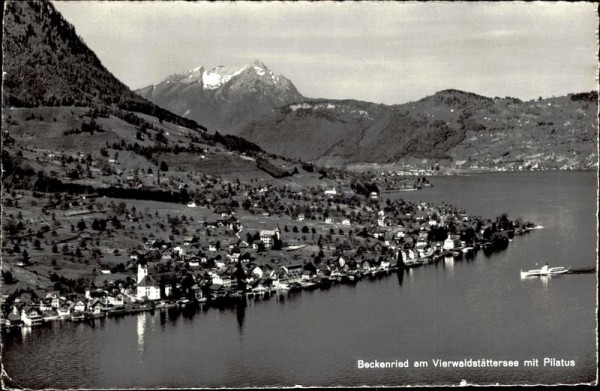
point(147, 287)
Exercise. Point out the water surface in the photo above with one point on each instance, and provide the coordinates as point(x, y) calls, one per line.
point(454, 310)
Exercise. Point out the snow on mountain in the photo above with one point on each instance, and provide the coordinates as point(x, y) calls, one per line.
point(219, 76)
point(223, 97)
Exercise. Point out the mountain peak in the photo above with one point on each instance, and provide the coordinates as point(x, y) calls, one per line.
point(259, 64)
point(224, 96)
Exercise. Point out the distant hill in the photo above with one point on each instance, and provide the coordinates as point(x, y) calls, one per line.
point(45, 63)
point(452, 126)
point(223, 98)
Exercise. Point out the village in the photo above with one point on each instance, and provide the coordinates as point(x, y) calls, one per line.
point(86, 257)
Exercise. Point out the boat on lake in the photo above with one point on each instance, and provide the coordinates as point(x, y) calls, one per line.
point(545, 271)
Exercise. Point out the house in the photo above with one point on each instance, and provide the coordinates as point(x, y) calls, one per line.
point(293, 272)
point(346, 222)
point(301, 217)
point(96, 307)
point(180, 251)
point(330, 192)
point(226, 281)
point(365, 265)
point(268, 237)
point(400, 232)
point(55, 299)
point(234, 256)
point(79, 306)
point(257, 272)
point(116, 300)
point(385, 265)
point(45, 305)
point(31, 316)
point(63, 311)
point(329, 220)
point(422, 240)
point(13, 318)
point(374, 195)
point(448, 244)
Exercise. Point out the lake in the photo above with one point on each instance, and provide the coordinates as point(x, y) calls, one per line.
point(478, 309)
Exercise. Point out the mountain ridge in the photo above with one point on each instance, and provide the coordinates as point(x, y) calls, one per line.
point(450, 125)
point(223, 97)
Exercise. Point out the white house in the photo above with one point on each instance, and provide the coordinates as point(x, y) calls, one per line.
point(116, 300)
point(179, 250)
point(31, 317)
point(448, 244)
point(268, 237)
point(79, 306)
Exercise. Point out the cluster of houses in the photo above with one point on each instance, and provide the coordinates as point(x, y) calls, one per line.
point(385, 236)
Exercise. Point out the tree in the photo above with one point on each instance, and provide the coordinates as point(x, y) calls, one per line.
point(81, 225)
point(7, 277)
point(246, 204)
point(164, 166)
point(161, 138)
point(277, 244)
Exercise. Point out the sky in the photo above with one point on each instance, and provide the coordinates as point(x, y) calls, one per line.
point(383, 52)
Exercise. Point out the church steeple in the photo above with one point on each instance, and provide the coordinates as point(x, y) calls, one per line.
point(142, 271)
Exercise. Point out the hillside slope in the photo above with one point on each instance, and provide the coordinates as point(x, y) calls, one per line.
point(69, 124)
point(45, 63)
point(452, 126)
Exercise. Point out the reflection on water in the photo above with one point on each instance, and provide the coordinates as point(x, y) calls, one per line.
point(449, 264)
point(400, 274)
point(544, 281)
point(240, 310)
point(141, 330)
point(411, 274)
point(25, 331)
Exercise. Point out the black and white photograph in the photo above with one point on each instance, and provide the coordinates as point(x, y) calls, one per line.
point(283, 194)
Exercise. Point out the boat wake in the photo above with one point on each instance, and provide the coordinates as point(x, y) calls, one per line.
point(583, 270)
